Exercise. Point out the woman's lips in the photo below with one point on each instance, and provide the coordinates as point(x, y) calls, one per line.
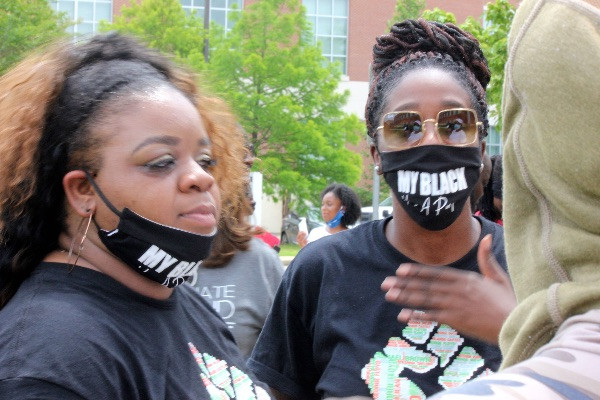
point(205, 214)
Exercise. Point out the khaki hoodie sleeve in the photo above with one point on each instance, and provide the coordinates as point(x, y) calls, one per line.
point(551, 159)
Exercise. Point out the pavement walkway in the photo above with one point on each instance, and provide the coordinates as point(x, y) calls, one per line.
point(286, 260)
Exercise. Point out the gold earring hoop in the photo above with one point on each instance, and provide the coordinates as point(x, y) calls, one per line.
point(87, 227)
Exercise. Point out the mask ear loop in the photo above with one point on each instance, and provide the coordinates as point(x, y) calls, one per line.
point(89, 220)
point(104, 199)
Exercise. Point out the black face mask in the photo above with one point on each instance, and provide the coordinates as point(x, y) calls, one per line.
point(432, 182)
point(167, 255)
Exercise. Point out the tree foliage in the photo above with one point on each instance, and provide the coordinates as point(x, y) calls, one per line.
point(407, 9)
point(439, 15)
point(25, 25)
point(285, 95)
point(494, 42)
point(493, 37)
point(164, 25)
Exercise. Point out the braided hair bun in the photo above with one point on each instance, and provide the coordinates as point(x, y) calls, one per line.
point(421, 43)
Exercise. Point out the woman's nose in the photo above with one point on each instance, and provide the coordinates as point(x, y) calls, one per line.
point(430, 135)
point(195, 178)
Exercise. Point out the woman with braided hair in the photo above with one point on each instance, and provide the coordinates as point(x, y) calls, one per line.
point(109, 201)
point(332, 333)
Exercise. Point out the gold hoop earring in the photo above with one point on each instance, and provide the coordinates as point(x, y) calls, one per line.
point(87, 227)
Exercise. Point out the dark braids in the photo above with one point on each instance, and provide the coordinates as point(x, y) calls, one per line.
point(418, 44)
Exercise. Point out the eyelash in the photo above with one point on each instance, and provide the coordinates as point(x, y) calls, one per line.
point(206, 162)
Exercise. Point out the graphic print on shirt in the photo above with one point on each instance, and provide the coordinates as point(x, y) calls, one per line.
point(222, 299)
point(223, 382)
point(382, 372)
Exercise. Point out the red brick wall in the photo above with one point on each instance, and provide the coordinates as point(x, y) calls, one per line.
point(117, 4)
point(368, 19)
point(460, 8)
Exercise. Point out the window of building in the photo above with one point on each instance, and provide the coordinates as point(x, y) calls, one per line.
point(220, 10)
point(329, 20)
point(493, 141)
point(86, 13)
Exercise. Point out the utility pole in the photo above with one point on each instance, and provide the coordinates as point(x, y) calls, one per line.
point(375, 214)
point(206, 27)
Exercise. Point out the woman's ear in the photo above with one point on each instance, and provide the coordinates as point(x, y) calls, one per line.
point(80, 194)
point(376, 159)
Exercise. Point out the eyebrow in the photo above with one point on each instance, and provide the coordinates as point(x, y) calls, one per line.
point(445, 103)
point(168, 140)
point(454, 104)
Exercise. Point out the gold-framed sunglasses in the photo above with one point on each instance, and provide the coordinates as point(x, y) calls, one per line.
point(454, 127)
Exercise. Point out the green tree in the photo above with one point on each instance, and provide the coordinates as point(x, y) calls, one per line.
point(494, 42)
point(407, 9)
point(286, 96)
point(439, 15)
point(492, 37)
point(165, 26)
point(25, 25)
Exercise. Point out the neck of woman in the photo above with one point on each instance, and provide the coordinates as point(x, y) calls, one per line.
point(433, 247)
point(337, 229)
point(94, 256)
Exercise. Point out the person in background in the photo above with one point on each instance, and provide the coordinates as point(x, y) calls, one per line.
point(551, 161)
point(267, 237)
point(241, 275)
point(110, 204)
point(258, 231)
point(490, 204)
point(332, 333)
point(340, 209)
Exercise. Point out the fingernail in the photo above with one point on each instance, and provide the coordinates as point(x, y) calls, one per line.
point(403, 268)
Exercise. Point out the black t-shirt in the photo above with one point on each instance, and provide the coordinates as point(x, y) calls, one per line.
point(331, 333)
point(81, 334)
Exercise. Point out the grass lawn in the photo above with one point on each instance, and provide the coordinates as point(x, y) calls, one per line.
point(289, 250)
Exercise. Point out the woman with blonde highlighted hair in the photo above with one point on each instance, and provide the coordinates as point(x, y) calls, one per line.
point(114, 163)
